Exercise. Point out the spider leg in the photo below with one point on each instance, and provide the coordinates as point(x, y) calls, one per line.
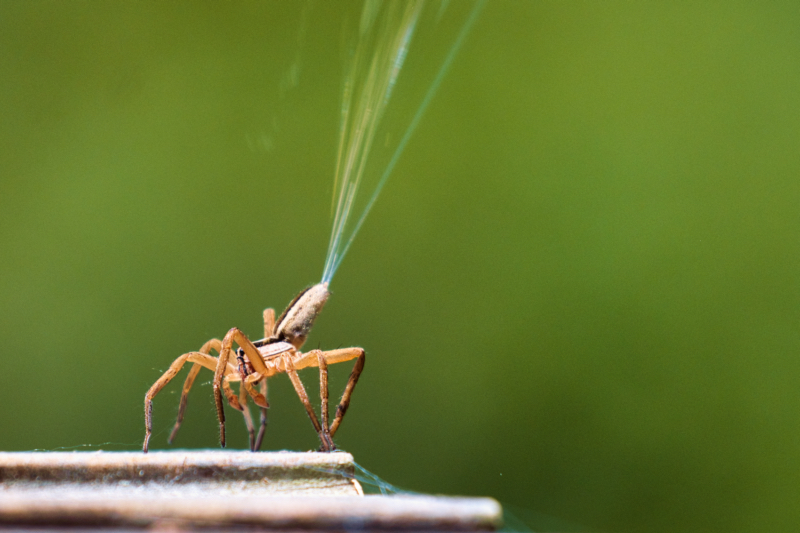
point(262, 429)
point(214, 344)
point(184, 400)
point(233, 400)
point(248, 419)
point(323, 389)
point(233, 335)
point(332, 357)
point(176, 366)
point(259, 398)
point(344, 403)
point(323, 394)
point(327, 444)
point(269, 322)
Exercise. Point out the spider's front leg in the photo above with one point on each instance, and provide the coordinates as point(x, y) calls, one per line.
point(263, 419)
point(248, 419)
point(213, 344)
point(246, 388)
point(202, 359)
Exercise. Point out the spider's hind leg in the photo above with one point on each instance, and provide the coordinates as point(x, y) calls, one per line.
point(324, 435)
point(269, 322)
point(344, 403)
point(322, 360)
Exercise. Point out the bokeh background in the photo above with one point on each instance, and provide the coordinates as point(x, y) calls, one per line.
point(579, 292)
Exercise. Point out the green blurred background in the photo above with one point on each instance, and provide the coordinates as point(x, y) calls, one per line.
point(579, 292)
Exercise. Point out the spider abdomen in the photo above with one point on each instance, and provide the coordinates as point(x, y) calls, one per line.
point(298, 318)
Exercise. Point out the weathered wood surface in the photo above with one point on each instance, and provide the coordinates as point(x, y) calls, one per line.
point(178, 473)
point(216, 489)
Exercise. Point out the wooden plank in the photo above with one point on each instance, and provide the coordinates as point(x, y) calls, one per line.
point(179, 473)
point(215, 489)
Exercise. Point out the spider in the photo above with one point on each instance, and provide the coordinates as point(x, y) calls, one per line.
point(278, 352)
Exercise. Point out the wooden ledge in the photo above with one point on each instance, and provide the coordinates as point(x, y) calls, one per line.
point(179, 473)
point(184, 490)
